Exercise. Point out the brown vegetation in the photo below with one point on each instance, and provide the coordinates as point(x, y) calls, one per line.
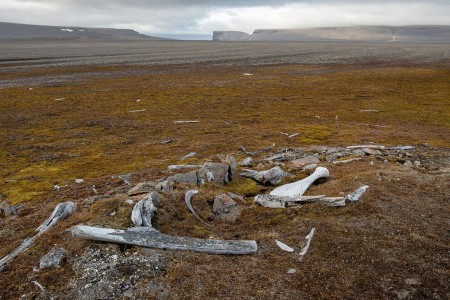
point(398, 231)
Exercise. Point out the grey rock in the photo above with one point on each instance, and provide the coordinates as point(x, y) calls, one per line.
point(52, 259)
point(408, 163)
point(301, 162)
point(236, 197)
point(291, 271)
point(226, 208)
point(309, 167)
point(6, 209)
point(402, 294)
point(219, 171)
point(412, 281)
point(189, 177)
point(417, 164)
point(273, 176)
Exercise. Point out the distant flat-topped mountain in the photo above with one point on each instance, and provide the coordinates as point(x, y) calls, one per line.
point(230, 36)
point(414, 33)
point(25, 31)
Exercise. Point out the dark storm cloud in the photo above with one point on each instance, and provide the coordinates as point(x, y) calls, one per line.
point(204, 16)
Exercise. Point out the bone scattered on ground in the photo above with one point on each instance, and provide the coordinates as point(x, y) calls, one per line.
point(308, 242)
point(187, 200)
point(61, 212)
point(283, 246)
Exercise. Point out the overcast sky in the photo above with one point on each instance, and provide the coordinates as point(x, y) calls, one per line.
point(162, 17)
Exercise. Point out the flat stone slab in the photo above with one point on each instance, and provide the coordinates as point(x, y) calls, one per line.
point(301, 162)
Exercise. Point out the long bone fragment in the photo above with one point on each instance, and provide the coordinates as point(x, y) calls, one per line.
point(284, 201)
point(146, 236)
point(152, 238)
point(61, 212)
point(272, 176)
point(298, 188)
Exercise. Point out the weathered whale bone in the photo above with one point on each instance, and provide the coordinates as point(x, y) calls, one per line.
point(284, 201)
point(61, 212)
point(146, 236)
point(150, 237)
point(272, 176)
point(298, 188)
point(187, 199)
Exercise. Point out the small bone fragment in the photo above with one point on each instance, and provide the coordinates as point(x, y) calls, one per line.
point(337, 162)
point(283, 246)
point(370, 151)
point(270, 201)
point(293, 135)
point(280, 157)
point(165, 142)
point(273, 176)
point(180, 167)
point(308, 241)
point(79, 180)
point(366, 146)
point(187, 199)
point(143, 211)
point(247, 74)
point(189, 155)
point(137, 110)
point(61, 212)
point(291, 271)
point(60, 99)
point(152, 238)
point(184, 122)
point(402, 147)
point(369, 110)
point(298, 188)
point(39, 286)
point(357, 194)
point(253, 153)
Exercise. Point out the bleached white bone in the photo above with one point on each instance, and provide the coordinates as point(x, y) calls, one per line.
point(308, 242)
point(187, 199)
point(61, 211)
point(283, 246)
point(298, 188)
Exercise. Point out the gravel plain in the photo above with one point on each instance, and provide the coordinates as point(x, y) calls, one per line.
point(21, 56)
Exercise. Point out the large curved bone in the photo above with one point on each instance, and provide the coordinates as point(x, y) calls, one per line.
point(61, 212)
point(148, 237)
point(298, 188)
point(187, 199)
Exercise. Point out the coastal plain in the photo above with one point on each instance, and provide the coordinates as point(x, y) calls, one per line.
point(93, 110)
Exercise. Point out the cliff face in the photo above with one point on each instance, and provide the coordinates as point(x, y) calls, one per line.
point(417, 33)
point(227, 36)
point(25, 31)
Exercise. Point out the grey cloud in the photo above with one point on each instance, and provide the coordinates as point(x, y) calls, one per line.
point(204, 16)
